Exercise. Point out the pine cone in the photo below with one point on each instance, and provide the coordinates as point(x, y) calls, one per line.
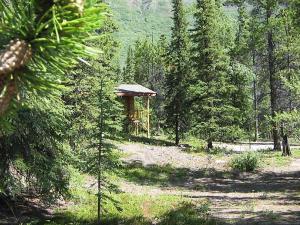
point(80, 5)
point(77, 4)
point(15, 56)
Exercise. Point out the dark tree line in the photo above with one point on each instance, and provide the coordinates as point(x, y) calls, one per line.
point(226, 80)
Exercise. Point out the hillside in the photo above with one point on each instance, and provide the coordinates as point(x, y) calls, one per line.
point(143, 18)
point(137, 20)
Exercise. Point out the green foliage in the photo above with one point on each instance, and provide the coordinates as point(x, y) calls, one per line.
point(45, 134)
point(91, 98)
point(245, 162)
point(178, 72)
point(34, 152)
point(129, 69)
point(136, 210)
point(56, 33)
point(145, 65)
point(211, 88)
point(137, 22)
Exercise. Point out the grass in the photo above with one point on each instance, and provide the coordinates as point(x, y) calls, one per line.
point(127, 209)
point(143, 209)
point(136, 210)
point(275, 159)
point(270, 215)
point(155, 175)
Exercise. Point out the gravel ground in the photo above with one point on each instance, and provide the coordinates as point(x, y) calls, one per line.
point(160, 155)
point(267, 197)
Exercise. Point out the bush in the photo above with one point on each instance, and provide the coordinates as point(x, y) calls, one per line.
point(246, 162)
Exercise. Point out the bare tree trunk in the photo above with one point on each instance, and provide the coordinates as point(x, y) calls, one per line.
point(255, 100)
point(255, 110)
point(177, 130)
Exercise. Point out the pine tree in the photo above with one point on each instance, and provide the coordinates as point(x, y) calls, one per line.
point(43, 39)
point(269, 12)
point(176, 79)
point(211, 90)
point(242, 76)
point(97, 115)
point(128, 70)
point(287, 55)
point(146, 65)
point(34, 143)
point(157, 83)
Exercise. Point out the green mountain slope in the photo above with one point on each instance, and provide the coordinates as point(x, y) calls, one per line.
point(143, 18)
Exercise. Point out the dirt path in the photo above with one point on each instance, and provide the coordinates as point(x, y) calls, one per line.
point(267, 197)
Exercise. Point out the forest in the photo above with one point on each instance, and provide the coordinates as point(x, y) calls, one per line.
point(150, 112)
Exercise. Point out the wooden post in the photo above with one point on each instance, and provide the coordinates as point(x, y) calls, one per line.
point(148, 117)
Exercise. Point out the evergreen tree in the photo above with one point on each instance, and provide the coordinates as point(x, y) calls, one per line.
point(211, 90)
point(176, 79)
point(34, 151)
point(128, 70)
point(287, 56)
point(261, 91)
point(146, 65)
point(157, 83)
point(97, 115)
point(242, 76)
point(278, 36)
point(43, 39)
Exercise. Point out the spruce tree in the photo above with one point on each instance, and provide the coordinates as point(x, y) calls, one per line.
point(97, 115)
point(146, 65)
point(211, 90)
point(128, 70)
point(242, 76)
point(270, 13)
point(176, 78)
point(287, 55)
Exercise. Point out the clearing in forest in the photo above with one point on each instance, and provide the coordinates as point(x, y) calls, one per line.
point(270, 195)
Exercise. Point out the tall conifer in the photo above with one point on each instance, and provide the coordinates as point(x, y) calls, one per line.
point(178, 71)
point(211, 90)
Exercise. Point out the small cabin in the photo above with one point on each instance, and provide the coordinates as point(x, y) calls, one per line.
point(138, 119)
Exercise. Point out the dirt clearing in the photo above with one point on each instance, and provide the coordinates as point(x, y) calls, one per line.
point(267, 196)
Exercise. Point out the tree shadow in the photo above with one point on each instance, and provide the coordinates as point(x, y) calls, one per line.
point(13, 211)
point(211, 179)
point(279, 188)
point(151, 141)
point(184, 214)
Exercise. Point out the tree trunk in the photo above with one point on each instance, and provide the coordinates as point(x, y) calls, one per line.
point(209, 145)
point(255, 100)
point(255, 110)
point(286, 150)
point(273, 84)
point(177, 130)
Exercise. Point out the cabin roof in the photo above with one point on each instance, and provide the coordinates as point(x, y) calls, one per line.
point(134, 90)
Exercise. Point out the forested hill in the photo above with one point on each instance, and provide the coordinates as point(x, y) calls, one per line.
point(143, 18)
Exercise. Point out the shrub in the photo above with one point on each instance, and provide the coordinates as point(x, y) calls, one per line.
point(246, 162)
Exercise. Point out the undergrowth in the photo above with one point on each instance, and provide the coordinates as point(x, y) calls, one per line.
point(245, 162)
